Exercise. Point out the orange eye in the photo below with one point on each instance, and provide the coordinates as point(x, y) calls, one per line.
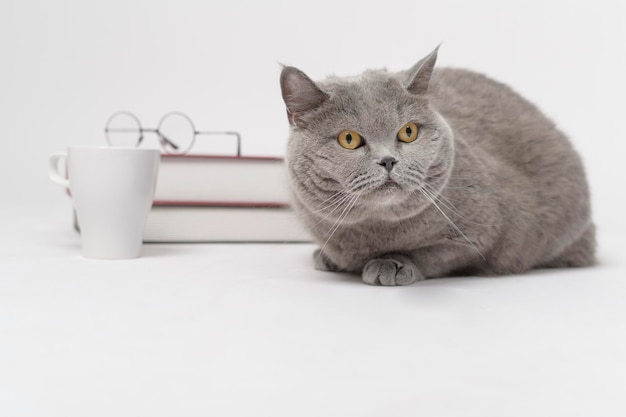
point(408, 133)
point(350, 139)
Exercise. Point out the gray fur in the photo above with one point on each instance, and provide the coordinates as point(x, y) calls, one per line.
point(490, 186)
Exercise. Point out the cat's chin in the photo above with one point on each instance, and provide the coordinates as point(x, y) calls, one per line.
point(387, 194)
point(390, 186)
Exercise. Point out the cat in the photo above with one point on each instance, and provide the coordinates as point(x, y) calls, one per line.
point(432, 172)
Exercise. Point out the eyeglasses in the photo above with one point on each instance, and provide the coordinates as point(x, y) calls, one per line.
point(176, 132)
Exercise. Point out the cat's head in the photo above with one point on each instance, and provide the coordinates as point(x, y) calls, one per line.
point(375, 135)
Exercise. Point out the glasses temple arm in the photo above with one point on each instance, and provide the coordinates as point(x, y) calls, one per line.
point(166, 140)
point(237, 135)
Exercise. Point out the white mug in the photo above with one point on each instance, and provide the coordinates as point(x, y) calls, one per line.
point(112, 190)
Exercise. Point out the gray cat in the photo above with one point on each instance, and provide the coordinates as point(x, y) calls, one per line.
point(432, 172)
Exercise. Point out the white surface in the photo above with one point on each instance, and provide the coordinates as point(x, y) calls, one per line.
point(242, 330)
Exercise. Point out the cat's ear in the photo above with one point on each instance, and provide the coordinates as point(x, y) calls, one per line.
point(419, 75)
point(300, 94)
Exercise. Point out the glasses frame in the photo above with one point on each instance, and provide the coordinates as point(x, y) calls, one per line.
point(164, 141)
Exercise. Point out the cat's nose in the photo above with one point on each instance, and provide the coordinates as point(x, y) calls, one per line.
point(388, 162)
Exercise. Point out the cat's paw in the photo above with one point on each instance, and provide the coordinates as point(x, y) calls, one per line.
point(391, 272)
point(322, 262)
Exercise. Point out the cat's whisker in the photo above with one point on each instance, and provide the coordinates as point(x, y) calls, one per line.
point(342, 216)
point(439, 197)
point(461, 179)
point(332, 197)
point(420, 172)
point(338, 199)
point(453, 187)
point(347, 198)
point(428, 191)
point(448, 204)
point(321, 212)
point(418, 179)
point(453, 224)
point(339, 195)
point(421, 166)
point(362, 183)
point(369, 179)
point(339, 221)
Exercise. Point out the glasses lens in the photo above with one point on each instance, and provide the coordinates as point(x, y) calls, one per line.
point(176, 132)
point(123, 129)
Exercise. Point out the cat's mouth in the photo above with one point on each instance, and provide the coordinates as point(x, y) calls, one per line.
point(389, 185)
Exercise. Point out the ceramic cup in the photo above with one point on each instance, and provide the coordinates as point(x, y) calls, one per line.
point(112, 190)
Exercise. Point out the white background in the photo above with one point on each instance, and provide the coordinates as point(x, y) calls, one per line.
point(167, 335)
point(67, 65)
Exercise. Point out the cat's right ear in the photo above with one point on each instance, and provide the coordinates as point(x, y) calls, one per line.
point(419, 75)
point(300, 94)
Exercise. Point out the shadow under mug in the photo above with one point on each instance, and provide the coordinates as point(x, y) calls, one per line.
point(112, 190)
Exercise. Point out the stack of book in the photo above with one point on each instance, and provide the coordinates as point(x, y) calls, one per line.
point(203, 198)
point(222, 199)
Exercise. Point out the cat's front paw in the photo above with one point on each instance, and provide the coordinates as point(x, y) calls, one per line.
point(322, 262)
point(391, 272)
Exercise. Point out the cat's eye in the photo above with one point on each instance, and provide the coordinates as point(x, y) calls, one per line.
point(350, 139)
point(408, 133)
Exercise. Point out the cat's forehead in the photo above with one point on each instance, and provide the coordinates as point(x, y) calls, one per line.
point(373, 84)
point(374, 101)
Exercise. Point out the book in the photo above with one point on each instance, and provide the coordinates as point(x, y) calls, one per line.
point(223, 224)
point(214, 224)
point(198, 180)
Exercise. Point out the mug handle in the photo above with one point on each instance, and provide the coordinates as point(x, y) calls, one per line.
point(53, 168)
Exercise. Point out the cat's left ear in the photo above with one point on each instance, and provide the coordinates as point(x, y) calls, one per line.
point(419, 75)
point(300, 94)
